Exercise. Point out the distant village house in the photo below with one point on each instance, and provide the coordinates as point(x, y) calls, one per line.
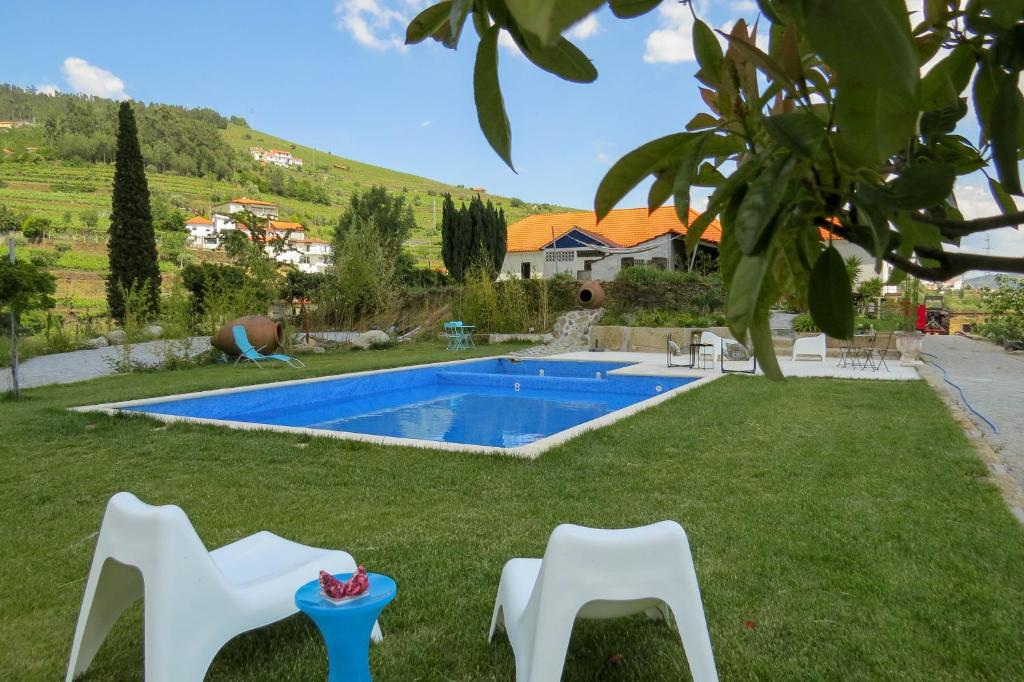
point(278, 157)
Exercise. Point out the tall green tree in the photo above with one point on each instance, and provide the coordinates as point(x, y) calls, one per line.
point(132, 244)
point(834, 128)
point(471, 233)
point(390, 216)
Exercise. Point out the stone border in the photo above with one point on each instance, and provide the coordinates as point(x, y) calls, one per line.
point(530, 451)
point(1011, 491)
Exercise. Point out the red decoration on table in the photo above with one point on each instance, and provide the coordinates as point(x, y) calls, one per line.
point(336, 589)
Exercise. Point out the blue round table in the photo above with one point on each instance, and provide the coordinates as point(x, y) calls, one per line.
point(346, 627)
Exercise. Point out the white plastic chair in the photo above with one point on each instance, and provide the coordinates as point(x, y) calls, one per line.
point(595, 573)
point(816, 346)
point(195, 600)
point(716, 341)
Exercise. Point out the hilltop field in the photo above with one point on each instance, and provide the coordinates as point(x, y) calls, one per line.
point(74, 194)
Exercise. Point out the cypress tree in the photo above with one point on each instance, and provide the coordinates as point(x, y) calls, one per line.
point(473, 232)
point(132, 244)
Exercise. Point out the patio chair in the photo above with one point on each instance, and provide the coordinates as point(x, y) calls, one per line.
point(195, 600)
point(734, 351)
point(596, 573)
point(253, 355)
point(883, 353)
point(453, 333)
point(816, 346)
point(715, 341)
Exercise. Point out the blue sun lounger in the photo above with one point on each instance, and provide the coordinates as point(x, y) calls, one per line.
point(253, 355)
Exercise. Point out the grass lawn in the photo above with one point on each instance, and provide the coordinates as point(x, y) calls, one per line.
point(841, 529)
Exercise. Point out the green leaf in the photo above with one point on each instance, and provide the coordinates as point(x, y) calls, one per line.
point(985, 85)
point(546, 19)
point(708, 51)
point(1006, 203)
point(942, 85)
point(876, 73)
point(428, 22)
point(872, 123)
point(456, 20)
point(768, 9)
point(688, 163)
point(661, 188)
point(761, 60)
point(922, 185)
point(627, 9)
point(563, 59)
point(938, 122)
point(731, 186)
point(490, 107)
point(764, 346)
point(830, 299)
point(759, 206)
point(799, 131)
point(866, 42)
point(702, 121)
point(637, 165)
point(1004, 128)
point(744, 291)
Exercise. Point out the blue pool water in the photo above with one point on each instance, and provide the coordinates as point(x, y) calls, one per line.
point(495, 402)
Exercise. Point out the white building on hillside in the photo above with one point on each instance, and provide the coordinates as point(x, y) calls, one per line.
point(278, 157)
point(202, 234)
point(262, 209)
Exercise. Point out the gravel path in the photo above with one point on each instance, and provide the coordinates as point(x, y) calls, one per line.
point(65, 368)
point(993, 381)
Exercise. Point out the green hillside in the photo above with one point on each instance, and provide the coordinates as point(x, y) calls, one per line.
point(62, 189)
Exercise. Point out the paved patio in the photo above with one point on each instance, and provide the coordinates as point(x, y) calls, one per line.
point(654, 364)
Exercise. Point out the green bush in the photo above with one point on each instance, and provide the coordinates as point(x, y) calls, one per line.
point(659, 317)
point(479, 299)
point(645, 274)
point(804, 324)
point(1006, 305)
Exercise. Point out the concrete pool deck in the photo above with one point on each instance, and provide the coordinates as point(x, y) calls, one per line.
point(653, 364)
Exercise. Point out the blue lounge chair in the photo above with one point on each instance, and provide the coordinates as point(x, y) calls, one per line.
point(253, 355)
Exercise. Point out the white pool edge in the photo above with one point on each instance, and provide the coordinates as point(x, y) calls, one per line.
point(530, 451)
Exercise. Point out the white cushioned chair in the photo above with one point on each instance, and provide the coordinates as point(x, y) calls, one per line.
point(195, 600)
point(596, 573)
point(811, 346)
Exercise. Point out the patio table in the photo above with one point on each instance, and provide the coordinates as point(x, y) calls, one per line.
point(346, 627)
point(848, 353)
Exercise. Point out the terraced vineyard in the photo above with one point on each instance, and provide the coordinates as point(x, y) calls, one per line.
point(63, 191)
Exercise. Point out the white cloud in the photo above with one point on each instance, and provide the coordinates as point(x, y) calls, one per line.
point(88, 79)
point(506, 42)
point(47, 89)
point(604, 158)
point(673, 41)
point(376, 24)
point(584, 29)
point(425, 124)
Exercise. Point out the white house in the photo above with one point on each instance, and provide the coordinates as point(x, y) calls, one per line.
point(548, 244)
point(202, 234)
point(278, 157)
point(262, 209)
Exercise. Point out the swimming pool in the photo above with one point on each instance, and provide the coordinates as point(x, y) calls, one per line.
point(518, 407)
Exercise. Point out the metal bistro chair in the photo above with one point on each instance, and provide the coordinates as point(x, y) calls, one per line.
point(883, 353)
point(867, 353)
point(736, 351)
point(671, 349)
point(453, 333)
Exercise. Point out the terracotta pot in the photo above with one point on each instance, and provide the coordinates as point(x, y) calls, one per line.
point(263, 333)
point(591, 295)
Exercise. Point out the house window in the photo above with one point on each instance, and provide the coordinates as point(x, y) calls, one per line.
point(524, 270)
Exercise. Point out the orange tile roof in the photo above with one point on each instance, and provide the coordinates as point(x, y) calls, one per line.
point(624, 227)
point(621, 228)
point(285, 225)
point(279, 151)
point(254, 202)
point(199, 220)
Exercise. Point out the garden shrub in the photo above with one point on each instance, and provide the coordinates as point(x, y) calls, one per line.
point(1006, 304)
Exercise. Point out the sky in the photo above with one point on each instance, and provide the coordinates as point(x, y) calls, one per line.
point(336, 75)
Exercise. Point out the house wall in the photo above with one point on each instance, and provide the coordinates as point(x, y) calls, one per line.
point(512, 265)
point(608, 267)
point(867, 268)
